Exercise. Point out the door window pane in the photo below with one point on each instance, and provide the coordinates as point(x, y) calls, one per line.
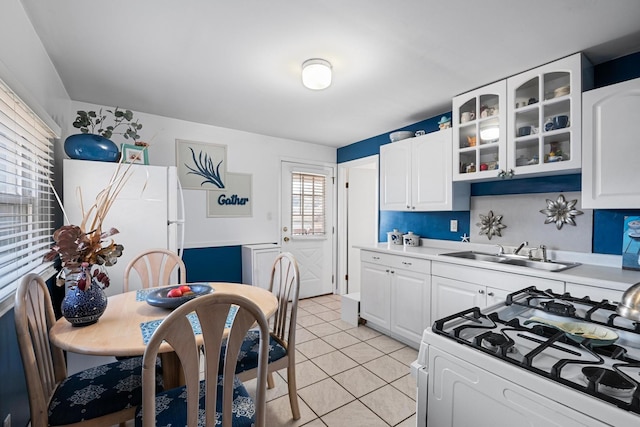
point(308, 204)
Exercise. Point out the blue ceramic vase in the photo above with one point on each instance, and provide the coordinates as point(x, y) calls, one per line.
point(82, 308)
point(88, 146)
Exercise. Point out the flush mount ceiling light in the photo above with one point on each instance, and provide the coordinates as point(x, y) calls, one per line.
point(316, 74)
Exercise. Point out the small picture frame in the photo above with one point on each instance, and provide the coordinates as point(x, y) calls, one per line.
point(135, 154)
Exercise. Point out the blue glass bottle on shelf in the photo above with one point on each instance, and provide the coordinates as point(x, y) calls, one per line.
point(88, 146)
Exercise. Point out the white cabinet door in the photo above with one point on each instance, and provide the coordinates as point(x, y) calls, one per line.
point(537, 145)
point(479, 132)
point(496, 295)
point(409, 307)
point(395, 176)
point(432, 187)
point(375, 294)
point(450, 296)
point(595, 294)
point(611, 152)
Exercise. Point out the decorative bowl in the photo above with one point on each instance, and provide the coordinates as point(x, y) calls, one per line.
point(159, 298)
point(400, 135)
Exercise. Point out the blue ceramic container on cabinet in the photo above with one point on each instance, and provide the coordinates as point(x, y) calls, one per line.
point(88, 146)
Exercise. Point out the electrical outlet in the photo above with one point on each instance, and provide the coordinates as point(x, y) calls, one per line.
point(7, 421)
point(453, 225)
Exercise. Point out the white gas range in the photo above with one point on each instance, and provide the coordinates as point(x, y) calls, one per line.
point(489, 368)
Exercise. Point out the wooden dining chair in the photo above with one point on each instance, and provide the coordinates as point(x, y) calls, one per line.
point(154, 268)
point(285, 285)
point(219, 396)
point(99, 396)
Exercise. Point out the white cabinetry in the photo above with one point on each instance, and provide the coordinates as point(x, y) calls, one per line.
point(545, 116)
point(257, 262)
point(456, 288)
point(416, 175)
point(394, 294)
point(611, 149)
point(528, 124)
point(479, 132)
point(594, 293)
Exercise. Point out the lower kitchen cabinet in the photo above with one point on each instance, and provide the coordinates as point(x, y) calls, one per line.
point(595, 293)
point(394, 295)
point(455, 288)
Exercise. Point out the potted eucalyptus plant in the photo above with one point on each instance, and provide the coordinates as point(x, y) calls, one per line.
point(96, 129)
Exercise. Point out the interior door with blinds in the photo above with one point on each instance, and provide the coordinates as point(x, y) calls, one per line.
point(307, 224)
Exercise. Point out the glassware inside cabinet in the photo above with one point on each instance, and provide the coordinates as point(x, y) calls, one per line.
point(557, 115)
point(527, 93)
point(557, 148)
point(488, 158)
point(467, 111)
point(526, 123)
point(467, 136)
point(527, 152)
point(489, 106)
point(557, 85)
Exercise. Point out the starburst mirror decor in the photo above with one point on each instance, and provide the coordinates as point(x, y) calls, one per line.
point(491, 225)
point(561, 211)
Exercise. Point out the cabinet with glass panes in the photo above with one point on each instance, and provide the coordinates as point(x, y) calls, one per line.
point(544, 114)
point(479, 132)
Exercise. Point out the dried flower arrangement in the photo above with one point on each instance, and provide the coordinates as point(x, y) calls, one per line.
point(81, 247)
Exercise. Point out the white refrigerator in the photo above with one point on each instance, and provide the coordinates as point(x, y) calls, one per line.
point(148, 213)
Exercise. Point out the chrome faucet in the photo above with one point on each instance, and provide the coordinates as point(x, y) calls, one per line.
point(500, 250)
point(543, 248)
point(519, 248)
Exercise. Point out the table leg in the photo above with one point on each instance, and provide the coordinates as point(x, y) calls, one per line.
point(172, 375)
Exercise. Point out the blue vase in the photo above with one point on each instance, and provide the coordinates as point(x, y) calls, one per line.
point(88, 146)
point(83, 307)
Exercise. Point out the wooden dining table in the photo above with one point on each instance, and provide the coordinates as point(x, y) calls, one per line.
point(118, 332)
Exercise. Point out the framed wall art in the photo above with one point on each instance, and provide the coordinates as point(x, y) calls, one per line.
point(201, 165)
point(135, 154)
point(235, 200)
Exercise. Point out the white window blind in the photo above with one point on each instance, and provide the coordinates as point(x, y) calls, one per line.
point(308, 210)
point(26, 198)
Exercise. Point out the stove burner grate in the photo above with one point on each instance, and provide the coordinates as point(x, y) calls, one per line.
point(607, 381)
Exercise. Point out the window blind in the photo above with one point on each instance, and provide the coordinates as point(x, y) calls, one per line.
point(308, 210)
point(26, 198)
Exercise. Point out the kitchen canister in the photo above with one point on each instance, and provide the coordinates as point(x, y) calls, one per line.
point(411, 239)
point(394, 237)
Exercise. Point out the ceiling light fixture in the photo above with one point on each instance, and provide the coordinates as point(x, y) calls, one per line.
point(316, 74)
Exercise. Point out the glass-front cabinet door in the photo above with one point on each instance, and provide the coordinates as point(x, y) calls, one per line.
point(479, 132)
point(544, 114)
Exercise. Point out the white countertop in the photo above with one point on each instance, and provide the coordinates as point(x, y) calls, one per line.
point(602, 271)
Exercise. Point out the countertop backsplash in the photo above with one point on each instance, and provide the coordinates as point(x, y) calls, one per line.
point(524, 222)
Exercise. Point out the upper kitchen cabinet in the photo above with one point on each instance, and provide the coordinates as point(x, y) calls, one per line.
point(611, 152)
point(479, 132)
point(415, 175)
point(544, 115)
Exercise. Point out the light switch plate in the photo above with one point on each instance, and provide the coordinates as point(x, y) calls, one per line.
point(453, 225)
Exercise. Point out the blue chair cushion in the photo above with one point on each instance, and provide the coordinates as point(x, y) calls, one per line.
point(99, 391)
point(171, 406)
point(248, 355)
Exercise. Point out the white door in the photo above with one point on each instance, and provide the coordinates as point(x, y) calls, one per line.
point(307, 224)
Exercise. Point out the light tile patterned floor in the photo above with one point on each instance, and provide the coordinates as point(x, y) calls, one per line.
point(347, 376)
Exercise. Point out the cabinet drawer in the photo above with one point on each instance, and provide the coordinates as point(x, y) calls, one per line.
point(418, 265)
point(496, 279)
point(375, 257)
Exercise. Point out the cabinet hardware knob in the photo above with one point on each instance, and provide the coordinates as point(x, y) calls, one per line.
point(392, 271)
point(375, 257)
point(490, 294)
point(406, 263)
point(480, 291)
point(386, 271)
point(286, 239)
point(408, 207)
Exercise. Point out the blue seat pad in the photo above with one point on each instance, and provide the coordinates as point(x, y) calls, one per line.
point(248, 355)
point(99, 391)
point(171, 406)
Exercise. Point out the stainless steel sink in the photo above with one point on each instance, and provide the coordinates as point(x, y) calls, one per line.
point(549, 265)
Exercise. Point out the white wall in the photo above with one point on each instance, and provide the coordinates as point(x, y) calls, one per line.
point(255, 154)
point(26, 67)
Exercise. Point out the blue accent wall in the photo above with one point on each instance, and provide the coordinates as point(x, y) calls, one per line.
point(220, 264)
point(607, 224)
point(13, 393)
